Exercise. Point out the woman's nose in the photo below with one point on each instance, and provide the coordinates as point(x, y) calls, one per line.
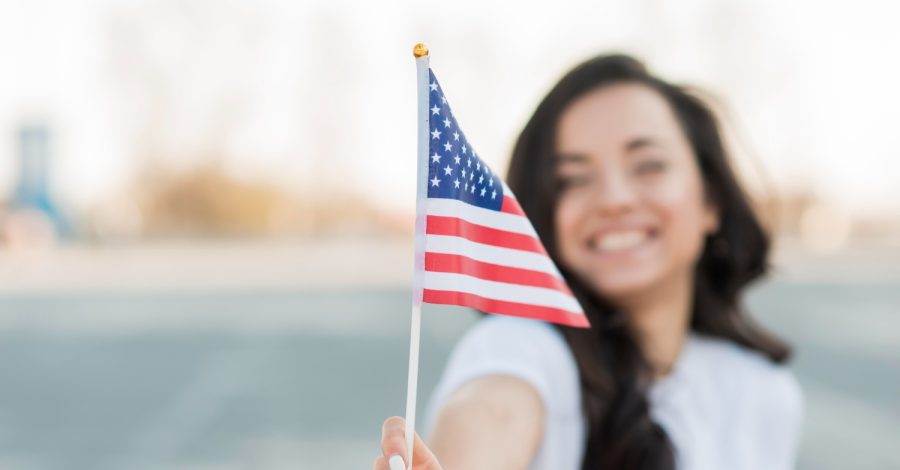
point(615, 194)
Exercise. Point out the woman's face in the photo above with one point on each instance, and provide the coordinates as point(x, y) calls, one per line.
point(631, 216)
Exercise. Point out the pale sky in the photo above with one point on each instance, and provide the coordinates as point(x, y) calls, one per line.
point(322, 94)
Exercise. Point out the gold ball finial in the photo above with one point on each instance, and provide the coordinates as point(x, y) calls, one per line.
point(420, 50)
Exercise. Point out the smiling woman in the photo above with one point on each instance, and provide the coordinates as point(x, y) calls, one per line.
point(631, 208)
point(627, 182)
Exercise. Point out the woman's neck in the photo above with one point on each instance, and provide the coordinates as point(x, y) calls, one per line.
point(661, 320)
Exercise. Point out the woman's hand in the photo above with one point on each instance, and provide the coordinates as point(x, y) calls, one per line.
point(393, 449)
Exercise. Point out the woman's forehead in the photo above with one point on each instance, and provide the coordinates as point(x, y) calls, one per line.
point(614, 118)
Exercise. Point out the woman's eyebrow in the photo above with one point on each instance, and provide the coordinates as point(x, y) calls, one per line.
point(570, 158)
point(641, 142)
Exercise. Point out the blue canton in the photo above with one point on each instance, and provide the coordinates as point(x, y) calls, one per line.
point(454, 169)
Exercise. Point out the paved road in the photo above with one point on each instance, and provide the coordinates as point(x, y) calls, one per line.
point(301, 379)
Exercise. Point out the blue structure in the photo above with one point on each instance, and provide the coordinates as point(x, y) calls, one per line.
point(32, 189)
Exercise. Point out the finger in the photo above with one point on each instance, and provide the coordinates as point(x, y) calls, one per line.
point(396, 462)
point(422, 454)
point(393, 439)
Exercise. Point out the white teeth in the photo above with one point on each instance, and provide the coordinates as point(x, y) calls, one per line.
point(621, 240)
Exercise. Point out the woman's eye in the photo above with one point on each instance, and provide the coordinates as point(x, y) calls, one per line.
point(650, 167)
point(572, 181)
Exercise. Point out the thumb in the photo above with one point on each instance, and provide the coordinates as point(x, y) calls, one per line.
point(393, 444)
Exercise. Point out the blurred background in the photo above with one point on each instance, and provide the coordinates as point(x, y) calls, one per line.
point(206, 210)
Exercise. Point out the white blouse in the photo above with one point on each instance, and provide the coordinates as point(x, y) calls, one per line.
point(722, 406)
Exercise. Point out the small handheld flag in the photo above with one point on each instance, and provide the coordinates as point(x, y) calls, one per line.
point(474, 245)
point(481, 251)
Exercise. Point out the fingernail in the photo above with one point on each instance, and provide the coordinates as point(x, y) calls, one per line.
point(396, 462)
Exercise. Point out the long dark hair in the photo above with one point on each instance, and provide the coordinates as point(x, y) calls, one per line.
point(614, 372)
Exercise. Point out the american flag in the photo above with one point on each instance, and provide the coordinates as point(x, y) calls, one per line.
point(480, 249)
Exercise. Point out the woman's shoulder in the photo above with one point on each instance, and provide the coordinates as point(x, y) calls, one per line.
point(772, 385)
point(729, 386)
point(511, 335)
point(726, 353)
point(530, 350)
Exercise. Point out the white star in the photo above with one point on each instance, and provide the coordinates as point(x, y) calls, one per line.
point(471, 174)
point(435, 109)
point(494, 194)
point(435, 181)
point(456, 159)
point(464, 149)
point(469, 162)
point(435, 134)
point(473, 189)
point(482, 192)
point(491, 182)
point(467, 187)
point(478, 165)
point(446, 122)
point(464, 173)
point(448, 170)
point(433, 86)
point(456, 183)
point(456, 136)
point(447, 146)
point(435, 158)
point(443, 100)
point(480, 178)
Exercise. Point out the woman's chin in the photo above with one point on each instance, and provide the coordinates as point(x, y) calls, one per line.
point(622, 288)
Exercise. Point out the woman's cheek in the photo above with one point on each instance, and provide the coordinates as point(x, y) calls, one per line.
point(680, 208)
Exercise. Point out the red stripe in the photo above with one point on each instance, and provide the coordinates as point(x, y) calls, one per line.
point(511, 206)
point(453, 226)
point(458, 264)
point(500, 307)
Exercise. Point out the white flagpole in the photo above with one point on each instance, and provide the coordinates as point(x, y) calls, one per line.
point(421, 54)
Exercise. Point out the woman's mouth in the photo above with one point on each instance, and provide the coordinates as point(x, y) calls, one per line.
point(619, 241)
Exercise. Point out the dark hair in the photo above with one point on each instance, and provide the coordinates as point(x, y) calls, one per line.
point(614, 373)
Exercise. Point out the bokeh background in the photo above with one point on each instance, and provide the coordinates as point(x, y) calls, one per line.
point(206, 210)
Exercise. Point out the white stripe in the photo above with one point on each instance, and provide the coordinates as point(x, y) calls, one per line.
point(490, 254)
point(480, 216)
point(501, 291)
